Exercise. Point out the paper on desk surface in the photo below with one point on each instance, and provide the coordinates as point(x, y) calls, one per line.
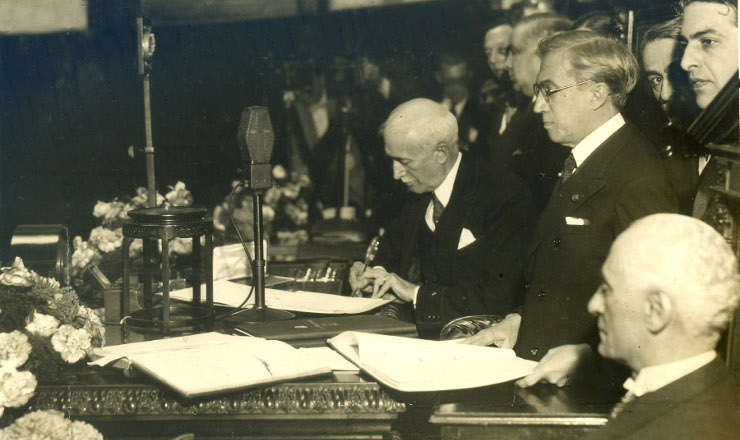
point(327, 356)
point(232, 294)
point(105, 355)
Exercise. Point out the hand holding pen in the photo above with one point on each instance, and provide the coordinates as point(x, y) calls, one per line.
point(358, 269)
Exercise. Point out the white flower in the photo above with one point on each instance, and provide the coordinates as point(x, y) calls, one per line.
point(179, 195)
point(291, 190)
point(182, 246)
point(218, 212)
point(14, 349)
point(272, 196)
point(71, 343)
point(49, 425)
point(105, 239)
point(17, 275)
point(268, 214)
point(93, 325)
point(100, 209)
point(16, 387)
point(42, 325)
point(279, 172)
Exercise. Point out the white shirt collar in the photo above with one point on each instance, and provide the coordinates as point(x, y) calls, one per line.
point(597, 137)
point(653, 378)
point(443, 192)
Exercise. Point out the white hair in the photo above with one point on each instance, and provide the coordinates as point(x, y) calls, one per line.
point(423, 122)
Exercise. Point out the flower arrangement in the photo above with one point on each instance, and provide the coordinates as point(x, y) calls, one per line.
point(43, 330)
point(49, 424)
point(104, 244)
point(285, 210)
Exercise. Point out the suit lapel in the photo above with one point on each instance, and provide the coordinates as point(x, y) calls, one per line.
point(588, 180)
point(649, 407)
point(453, 218)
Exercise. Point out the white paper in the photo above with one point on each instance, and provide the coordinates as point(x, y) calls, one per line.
point(412, 365)
point(327, 356)
point(212, 362)
point(105, 355)
point(232, 294)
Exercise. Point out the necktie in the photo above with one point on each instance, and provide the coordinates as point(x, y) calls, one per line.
point(569, 167)
point(437, 208)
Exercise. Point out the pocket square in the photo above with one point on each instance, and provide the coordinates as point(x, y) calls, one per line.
point(466, 239)
point(575, 221)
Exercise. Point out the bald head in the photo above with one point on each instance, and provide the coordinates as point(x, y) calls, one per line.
point(421, 138)
point(670, 288)
point(689, 260)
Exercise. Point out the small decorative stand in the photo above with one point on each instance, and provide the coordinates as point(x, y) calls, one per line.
point(163, 224)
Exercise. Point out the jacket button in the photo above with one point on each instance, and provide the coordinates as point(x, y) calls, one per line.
point(541, 295)
point(534, 351)
point(556, 242)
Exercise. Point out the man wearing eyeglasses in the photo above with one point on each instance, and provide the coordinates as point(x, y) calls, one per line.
point(612, 177)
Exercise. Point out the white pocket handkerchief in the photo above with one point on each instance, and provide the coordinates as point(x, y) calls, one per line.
point(466, 239)
point(575, 221)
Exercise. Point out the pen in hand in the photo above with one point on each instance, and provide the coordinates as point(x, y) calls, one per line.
point(369, 257)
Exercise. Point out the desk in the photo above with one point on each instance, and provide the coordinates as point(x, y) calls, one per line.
point(342, 406)
point(504, 411)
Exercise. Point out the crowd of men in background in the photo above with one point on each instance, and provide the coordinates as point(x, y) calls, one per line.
point(557, 212)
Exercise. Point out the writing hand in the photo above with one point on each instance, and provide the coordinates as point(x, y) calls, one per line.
point(503, 335)
point(403, 289)
point(558, 366)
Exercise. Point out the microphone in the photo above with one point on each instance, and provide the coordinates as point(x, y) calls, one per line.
point(255, 139)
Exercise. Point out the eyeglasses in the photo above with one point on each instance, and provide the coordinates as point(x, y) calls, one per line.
point(547, 93)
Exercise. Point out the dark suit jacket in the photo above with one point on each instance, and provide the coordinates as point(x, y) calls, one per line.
point(473, 128)
point(621, 181)
point(484, 277)
point(703, 404)
point(526, 148)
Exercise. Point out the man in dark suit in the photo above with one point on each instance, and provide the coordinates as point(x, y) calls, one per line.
point(454, 76)
point(670, 288)
point(612, 178)
point(661, 56)
point(456, 249)
point(524, 145)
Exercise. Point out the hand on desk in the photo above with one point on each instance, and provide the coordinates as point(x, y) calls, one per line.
point(503, 334)
point(380, 283)
point(559, 366)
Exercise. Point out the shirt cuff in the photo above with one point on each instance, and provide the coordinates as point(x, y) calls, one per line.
point(416, 293)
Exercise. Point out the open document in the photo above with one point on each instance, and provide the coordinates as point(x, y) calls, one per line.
point(211, 362)
point(232, 294)
point(412, 365)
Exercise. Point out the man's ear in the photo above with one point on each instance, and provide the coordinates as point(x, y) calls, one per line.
point(658, 311)
point(441, 153)
point(599, 94)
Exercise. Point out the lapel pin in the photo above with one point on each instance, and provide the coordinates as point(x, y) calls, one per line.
point(575, 197)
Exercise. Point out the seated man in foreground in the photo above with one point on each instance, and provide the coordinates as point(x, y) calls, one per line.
point(457, 248)
point(670, 288)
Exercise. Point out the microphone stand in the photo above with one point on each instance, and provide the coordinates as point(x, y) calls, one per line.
point(260, 312)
